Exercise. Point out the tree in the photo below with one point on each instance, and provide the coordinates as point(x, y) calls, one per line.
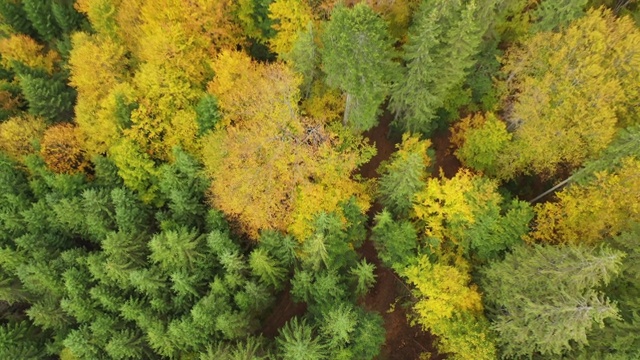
point(442, 42)
point(357, 58)
point(591, 212)
point(14, 15)
point(545, 299)
point(62, 150)
point(22, 340)
point(26, 51)
point(566, 93)
point(404, 174)
point(466, 215)
point(48, 96)
point(17, 135)
point(552, 15)
point(40, 14)
point(297, 341)
point(450, 308)
point(290, 18)
point(396, 242)
point(364, 276)
point(617, 340)
point(274, 169)
point(480, 140)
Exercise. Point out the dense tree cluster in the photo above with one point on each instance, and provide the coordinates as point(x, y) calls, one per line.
point(173, 173)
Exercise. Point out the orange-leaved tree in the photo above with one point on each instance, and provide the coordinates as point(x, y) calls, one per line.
point(62, 150)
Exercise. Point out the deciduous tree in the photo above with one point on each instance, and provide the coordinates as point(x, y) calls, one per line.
point(568, 91)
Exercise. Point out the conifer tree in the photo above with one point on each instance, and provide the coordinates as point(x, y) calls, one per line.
point(442, 43)
point(545, 299)
point(404, 175)
point(357, 58)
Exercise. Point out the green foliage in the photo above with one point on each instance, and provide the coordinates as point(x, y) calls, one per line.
point(357, 58)
point(404, 175)
point(39, 13)
point(208, 114)
point(553, 14)
point(617, 339)
point(21, 340)
point(296, 340)
point(182, 186)
point(396, 242)
point(545, 299)
point(365, 277)
point(304, 58)
point(49, 97)
point(14, 15)
point(442, 43)
point(483, 144)
point(266, 268)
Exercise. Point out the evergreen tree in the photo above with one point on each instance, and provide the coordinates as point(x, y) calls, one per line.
point(545, 299)
point(39, 13)
point(442, 43)
point(551, 15)
point(618, 339)
point(396, 242)
point(14, 14)
point(357, 58)
point(296, 340)
point(404, 175)
point(48, 97)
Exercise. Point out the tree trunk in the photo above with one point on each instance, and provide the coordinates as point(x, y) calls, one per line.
point(347, 108)
point(563, 183)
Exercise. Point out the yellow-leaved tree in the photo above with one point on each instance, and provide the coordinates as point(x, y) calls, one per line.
point(272, 168)
point(589, 213)
point(450, 307)
point(290, 19)
point(25, 50)
point(62, 150)
point(18, 134)
point(98, 67)
point(568, 92)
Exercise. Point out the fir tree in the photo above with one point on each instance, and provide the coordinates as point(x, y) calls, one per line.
point(545, 300)
point(357, 58)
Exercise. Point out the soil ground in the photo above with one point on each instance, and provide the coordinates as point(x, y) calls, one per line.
point(403, 342)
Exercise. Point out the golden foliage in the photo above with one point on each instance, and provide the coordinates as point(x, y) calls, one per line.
point(97, 65)
point(588, 214)
point(450, 307)
point(272, 168)
point(446, 207)
point(247, 91)
point(569, 90)
point(18, 134)
point(62, 150)
point(23, 49)
point(324, 103)
point(290, 18)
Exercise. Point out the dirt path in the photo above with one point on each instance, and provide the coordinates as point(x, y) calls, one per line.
point(445, 159)
point(403, 342)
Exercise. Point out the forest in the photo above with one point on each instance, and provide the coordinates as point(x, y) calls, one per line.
point(319, 179)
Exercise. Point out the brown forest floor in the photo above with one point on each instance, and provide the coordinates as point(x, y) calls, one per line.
point(403, 342)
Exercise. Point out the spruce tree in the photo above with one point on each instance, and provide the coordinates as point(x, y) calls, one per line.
point(545, 299)
point(357, 58)
point(442, 43)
